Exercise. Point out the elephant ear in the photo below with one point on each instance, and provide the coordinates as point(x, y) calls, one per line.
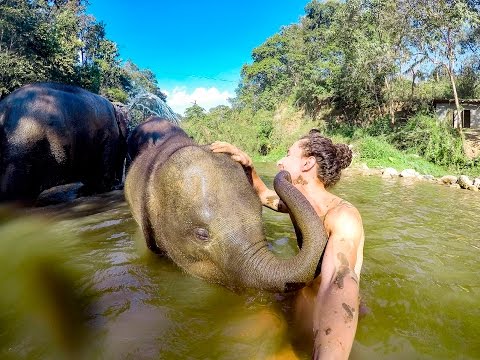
point(248, 173)
point(121, 115)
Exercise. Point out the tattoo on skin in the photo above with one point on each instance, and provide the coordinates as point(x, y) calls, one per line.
point(349, 311)
point(271, 200)
point(346, 203)
point(354, 277)
point(342, 271)
point(300, 181)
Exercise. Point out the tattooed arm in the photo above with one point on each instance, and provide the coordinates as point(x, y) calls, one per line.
point(268, 197)
point(337, 302)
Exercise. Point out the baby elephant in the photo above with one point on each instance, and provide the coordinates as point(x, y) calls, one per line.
point(199, 208)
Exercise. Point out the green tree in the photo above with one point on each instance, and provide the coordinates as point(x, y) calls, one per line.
point(370, 38)
point(441, 30)
point(38, 41)
point(42, 40)
point(468, 80)
point(195, 112)
point(136, 81)
point(266, 78)
point(320, 64)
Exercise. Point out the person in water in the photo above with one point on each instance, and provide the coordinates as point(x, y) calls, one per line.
point(330, 303)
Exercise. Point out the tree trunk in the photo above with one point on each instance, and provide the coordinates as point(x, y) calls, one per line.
point(390, 104)
point(458, 112)
point(413, 83)
point(457, 119)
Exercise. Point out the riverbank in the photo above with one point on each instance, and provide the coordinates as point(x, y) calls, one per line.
point(389, 162)
point(453, 181)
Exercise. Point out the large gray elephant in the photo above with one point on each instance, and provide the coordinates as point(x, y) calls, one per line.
point(199, 208)
point(53, 134)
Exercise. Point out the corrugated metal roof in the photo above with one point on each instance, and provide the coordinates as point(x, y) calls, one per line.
point(452, 101)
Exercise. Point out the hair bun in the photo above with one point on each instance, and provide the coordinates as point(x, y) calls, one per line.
point(344, 155)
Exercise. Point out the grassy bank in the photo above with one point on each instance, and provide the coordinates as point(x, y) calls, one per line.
point(422, 143)
point(378, 153)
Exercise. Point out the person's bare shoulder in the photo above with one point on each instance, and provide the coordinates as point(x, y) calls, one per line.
point(345, 221)
point(345, 244)
point(344, 212)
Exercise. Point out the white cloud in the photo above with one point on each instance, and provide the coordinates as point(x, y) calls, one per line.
point(179, 98)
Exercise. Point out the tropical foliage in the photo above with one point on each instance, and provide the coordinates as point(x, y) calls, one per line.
point(55, 40)
point(367, 57)
point(354, 67)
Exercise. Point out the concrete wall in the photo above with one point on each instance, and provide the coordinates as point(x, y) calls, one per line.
point(445, 111)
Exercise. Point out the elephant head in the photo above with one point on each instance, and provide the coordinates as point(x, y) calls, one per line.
point(199, 208)
point(122, 118)
point(154, 131)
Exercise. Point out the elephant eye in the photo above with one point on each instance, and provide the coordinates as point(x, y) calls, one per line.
point(201, 234)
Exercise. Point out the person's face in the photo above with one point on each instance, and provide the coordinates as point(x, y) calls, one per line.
point(294, 161)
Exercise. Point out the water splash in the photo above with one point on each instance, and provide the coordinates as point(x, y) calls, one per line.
point(152, 105)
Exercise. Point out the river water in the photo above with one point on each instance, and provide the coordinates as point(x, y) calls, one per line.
point(420, 283)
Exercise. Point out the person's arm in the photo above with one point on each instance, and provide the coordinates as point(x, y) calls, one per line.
point(337, 302)
point(268, 197)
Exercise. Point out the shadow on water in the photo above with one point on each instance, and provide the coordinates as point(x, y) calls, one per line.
point(67, 201)
point(419, 281)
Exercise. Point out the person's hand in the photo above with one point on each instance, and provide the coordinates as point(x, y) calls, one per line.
point(237, 154)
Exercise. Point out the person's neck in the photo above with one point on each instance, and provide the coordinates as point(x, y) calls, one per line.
point(314, 190)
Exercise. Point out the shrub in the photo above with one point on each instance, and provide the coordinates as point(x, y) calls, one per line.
point(376, 148)
point(380, 126)
point(379, 152)
point(431, 138)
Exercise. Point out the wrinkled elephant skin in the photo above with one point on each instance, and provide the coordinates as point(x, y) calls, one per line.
point(152, 132)
point(53, 134)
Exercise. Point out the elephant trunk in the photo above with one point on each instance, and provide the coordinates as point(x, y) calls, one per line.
point(263, 269)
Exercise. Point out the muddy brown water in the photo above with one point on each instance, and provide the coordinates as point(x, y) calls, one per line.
point(420, 282)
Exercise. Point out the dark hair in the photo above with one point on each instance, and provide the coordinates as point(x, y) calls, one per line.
point(331, 158)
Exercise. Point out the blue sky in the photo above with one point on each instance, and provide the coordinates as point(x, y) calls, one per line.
point(195, 48)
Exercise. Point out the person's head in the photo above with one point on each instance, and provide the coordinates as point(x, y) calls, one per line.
point(314, 151)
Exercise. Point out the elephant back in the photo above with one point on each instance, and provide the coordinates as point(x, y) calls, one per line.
point(55, 134)
point(60, 108)
point(154, 131)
